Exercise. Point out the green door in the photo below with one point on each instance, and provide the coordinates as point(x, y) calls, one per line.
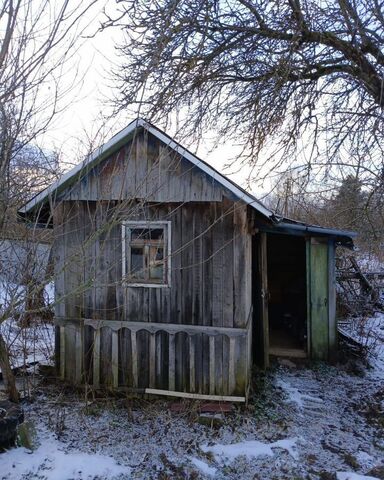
point(318, 308)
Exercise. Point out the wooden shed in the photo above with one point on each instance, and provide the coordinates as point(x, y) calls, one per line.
point(168, 276)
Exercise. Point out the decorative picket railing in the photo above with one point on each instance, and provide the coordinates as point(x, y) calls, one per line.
point(137, 355)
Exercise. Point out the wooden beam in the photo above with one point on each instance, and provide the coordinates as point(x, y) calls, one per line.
point(195, 396)
point(155, 327)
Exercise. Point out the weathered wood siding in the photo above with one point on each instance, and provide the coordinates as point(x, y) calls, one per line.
point(146, 169)
point(210, 278)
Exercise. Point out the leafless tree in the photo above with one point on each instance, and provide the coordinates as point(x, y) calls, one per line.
point(38, 41)
point(284, 78)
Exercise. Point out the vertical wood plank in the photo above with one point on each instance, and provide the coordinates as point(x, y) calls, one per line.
point(207, 252)
point(319, 299)
point(159, 359)
point(228, 283)
point(171, 362)
point(241, 263)
point(135, 379)
point(96, 358)
point(115, 359)
point(192, 363)
point(141, 164)
point(263, 272)
point(212, 365)
point(79, 354)
point(231, 370)
point(332, 301)
point(197, 287)
point(62, 352)
point(152, 360)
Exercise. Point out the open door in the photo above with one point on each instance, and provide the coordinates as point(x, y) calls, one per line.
point(318, 288)
point(287, 295)
point(293, 297)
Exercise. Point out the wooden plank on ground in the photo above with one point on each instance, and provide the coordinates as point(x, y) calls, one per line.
point(195, 396)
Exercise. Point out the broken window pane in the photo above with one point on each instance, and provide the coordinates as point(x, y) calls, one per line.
point(147, 233)
point(137, 262)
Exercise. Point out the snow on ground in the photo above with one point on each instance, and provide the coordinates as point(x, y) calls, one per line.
point(294, 396)
point(369, 262)
point(369, 332)
point(335, 432)
point(203, 467)
point(27, 345)
point(50, 461)
point(353, 476)
point(316, 422)
point(250, 449)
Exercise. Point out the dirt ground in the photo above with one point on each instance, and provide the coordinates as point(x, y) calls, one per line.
point(302, 422)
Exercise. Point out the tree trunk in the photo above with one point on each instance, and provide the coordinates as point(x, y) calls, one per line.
point(9, 378)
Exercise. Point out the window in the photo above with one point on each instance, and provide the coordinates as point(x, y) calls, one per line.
point(146, 253)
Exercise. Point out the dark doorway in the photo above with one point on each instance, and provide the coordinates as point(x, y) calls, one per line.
point(287, 295)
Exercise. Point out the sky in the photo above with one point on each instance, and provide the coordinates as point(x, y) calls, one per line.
point(82, 120)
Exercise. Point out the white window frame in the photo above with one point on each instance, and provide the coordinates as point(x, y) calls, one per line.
point(167, 250)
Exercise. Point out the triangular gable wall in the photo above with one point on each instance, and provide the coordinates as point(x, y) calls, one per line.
point(145, 168)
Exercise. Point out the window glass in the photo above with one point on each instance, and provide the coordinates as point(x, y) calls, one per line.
point(137, 262)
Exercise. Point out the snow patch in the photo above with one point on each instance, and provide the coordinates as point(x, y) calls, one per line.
point(353, 476)
point(250, 449)
point(50, 462)
point(364, 459)
point(294, 395)
point(203, 467)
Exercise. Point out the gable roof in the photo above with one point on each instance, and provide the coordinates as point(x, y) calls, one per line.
point(110, 147)
point(279, 224)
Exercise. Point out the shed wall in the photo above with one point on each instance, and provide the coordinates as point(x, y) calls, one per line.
point(118, 335)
